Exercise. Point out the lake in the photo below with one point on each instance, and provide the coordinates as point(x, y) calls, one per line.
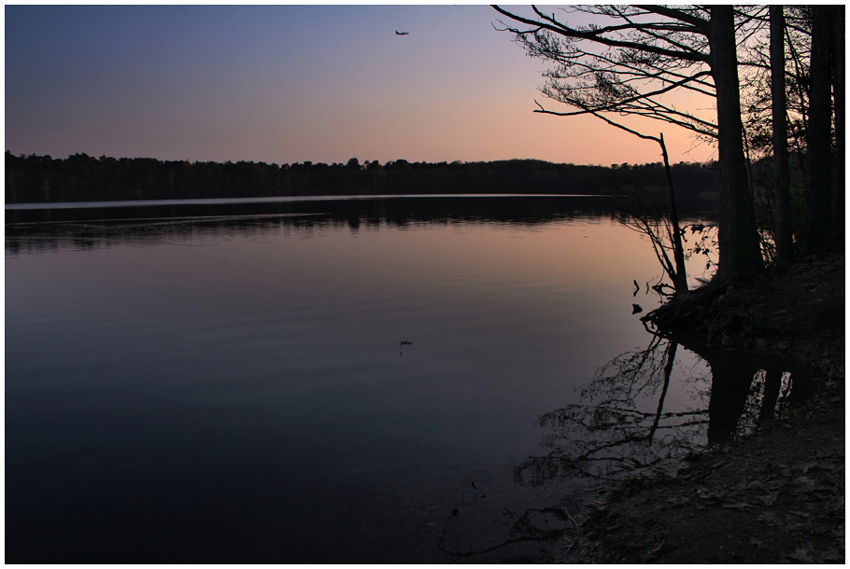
point(329, 380)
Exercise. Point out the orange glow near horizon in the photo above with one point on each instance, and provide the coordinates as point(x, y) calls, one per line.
point(285, 84)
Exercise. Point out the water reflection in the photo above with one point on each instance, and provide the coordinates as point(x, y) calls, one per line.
point(619, 425)
point(623, 424)
point(87, 228)
point(215, 388)
point(398, 210)
point(746, 391)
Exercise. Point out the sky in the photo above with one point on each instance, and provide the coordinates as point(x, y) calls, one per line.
point(285, 84)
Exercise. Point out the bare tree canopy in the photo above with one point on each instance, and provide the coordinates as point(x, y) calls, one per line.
point(623, 59)
point(625, 63)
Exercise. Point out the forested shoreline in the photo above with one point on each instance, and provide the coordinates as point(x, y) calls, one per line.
point(43, 179)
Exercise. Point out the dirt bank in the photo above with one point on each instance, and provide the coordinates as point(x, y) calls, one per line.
point(775, 496)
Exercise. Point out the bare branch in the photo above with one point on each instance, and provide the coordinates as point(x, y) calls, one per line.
point(554, 26)
point(699, 25)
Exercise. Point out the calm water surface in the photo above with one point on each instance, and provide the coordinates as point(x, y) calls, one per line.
point(309, 382)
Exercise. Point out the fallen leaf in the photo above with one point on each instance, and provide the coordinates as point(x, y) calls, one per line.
point(769, 499)
point(656, 549)
point(770, 519)
point(801, 555)
point(804, 480)
point(706, 494)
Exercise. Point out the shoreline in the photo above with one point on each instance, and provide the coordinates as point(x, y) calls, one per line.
point(775, 496)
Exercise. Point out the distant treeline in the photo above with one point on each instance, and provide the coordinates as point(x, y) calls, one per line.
point(40, 179)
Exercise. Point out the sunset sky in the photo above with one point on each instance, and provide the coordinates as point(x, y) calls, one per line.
point(286, 84)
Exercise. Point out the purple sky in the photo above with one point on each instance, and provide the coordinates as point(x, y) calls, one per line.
point(290, 83)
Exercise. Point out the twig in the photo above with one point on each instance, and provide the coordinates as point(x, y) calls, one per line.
point(578, 531)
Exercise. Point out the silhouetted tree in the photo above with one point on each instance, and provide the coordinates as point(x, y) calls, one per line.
point(644, 52)
point(813, 125)
point(817, 225)
point(84, 178)
point(781, 176)
point(838, 86)
point(639, 210)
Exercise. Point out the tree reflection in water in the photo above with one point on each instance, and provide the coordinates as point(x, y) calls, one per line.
point(616, 429)
point(625, 425)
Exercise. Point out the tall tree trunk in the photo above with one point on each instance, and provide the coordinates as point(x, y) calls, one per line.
point(817, 216)
point(781, 187)
point(838, 101)
point(680, 280)
point(740, 255)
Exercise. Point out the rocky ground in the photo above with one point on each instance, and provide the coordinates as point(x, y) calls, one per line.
point(775, 496)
